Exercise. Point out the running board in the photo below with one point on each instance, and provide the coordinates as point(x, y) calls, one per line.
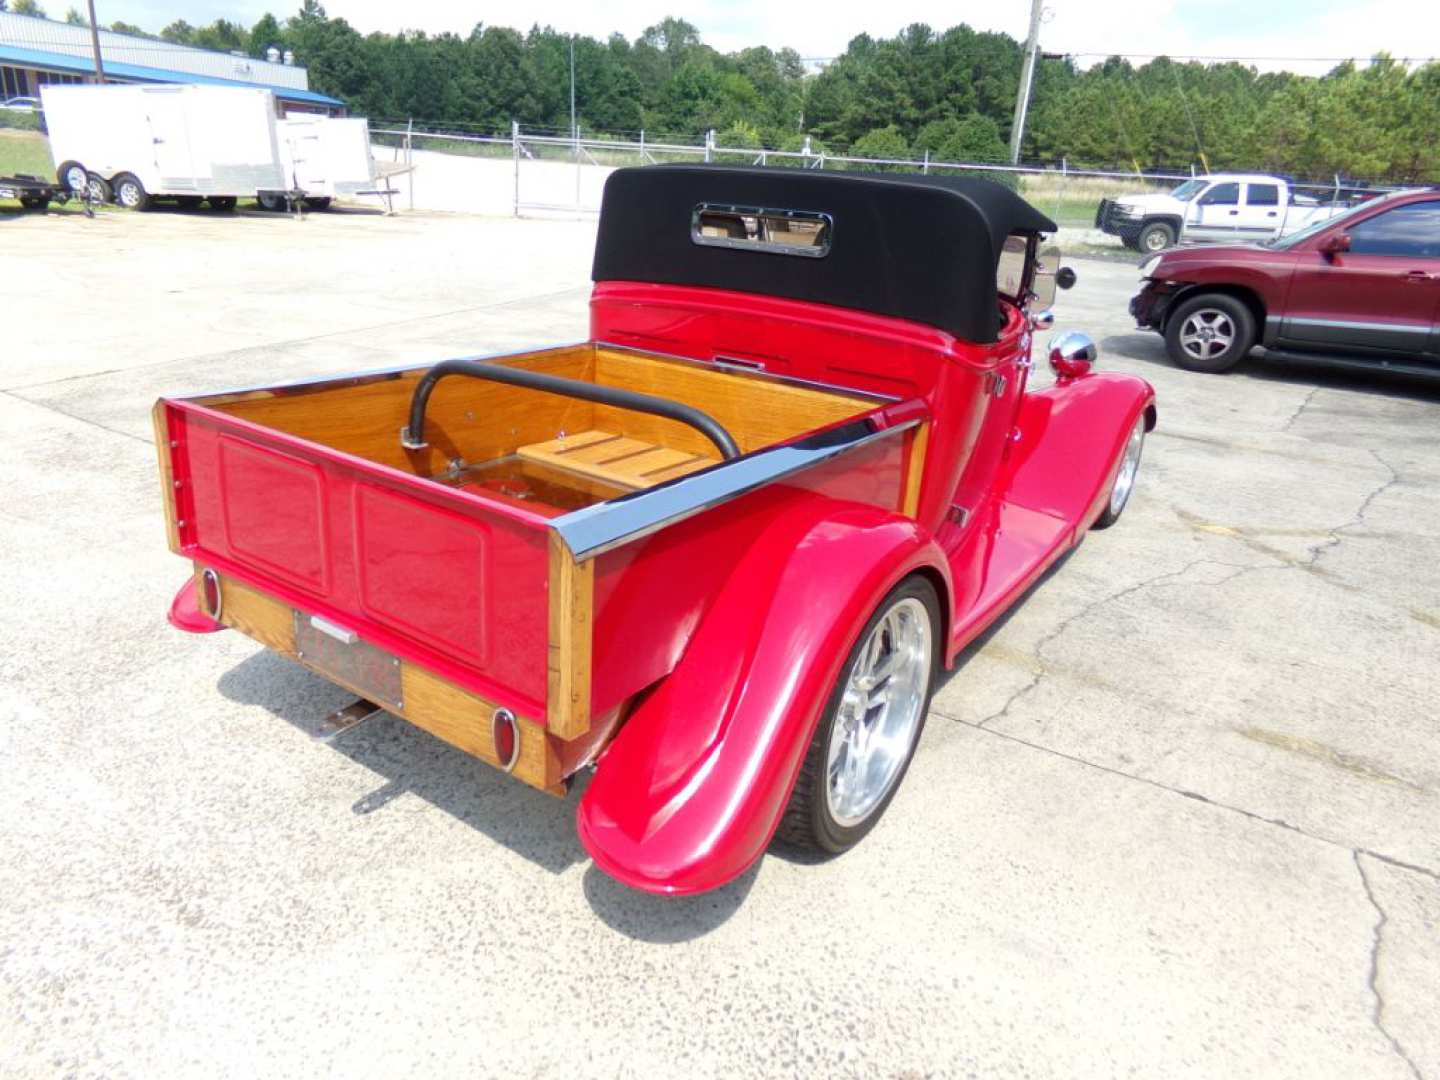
point(1346, 362)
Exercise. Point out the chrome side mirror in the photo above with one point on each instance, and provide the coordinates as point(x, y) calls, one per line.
point(1072, 354)
point(1043, 277)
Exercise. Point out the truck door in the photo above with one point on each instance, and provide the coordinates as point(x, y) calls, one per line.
point(169, 131)
point(1381, 296)
point(1259, 217)
point(1215, 215)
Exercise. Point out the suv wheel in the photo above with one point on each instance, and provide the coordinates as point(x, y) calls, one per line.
point(1210, 333)
point(1156, 236)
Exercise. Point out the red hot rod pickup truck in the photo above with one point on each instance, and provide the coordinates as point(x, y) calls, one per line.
point(721, 550)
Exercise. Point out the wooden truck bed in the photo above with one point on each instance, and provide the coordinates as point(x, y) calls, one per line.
point(539, 553)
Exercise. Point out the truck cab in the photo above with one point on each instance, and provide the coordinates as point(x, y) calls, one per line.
point(1221, 208)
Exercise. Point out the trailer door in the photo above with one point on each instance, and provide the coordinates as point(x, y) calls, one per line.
point(169, 131)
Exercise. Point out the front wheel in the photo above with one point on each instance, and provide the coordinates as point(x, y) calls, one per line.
point(130, 193)
point(872, 722)
point(1157, 236)
point(1124, 477)
point(1210, 333)
point(271, 201)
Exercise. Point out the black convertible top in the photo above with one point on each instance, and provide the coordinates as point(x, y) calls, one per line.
point(923, 248)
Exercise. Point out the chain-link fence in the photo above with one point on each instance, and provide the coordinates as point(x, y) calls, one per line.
point(534, 173)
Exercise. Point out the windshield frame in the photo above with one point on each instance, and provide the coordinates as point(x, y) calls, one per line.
point(1288, 243)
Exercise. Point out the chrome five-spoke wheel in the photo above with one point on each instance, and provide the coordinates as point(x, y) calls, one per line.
point(1207, 333)
point(879, 714)
point(870, 728)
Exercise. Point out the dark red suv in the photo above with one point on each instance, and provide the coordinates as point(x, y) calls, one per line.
point(1361, 290)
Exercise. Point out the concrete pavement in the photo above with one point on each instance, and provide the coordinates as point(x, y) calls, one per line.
point(1176, 816)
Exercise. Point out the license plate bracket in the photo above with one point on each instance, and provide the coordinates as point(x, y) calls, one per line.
point(339, 653)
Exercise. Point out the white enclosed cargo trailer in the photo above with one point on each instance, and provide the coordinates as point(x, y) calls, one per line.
point(325, 157)
point(178, 142)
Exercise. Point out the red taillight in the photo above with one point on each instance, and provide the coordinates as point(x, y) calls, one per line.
point(506, 733)
point(210, 593)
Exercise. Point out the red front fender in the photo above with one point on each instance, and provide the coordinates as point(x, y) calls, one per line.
point(691, 791)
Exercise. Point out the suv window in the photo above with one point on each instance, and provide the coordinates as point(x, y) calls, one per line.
point(1222, 195)
point(1263, 195)
point(1407, 231)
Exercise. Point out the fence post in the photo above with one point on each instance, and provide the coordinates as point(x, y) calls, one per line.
point(642, 146)
point(515, 153)
point(409, 160)
point(577, 168)
point(709, 145)
point(925, 166)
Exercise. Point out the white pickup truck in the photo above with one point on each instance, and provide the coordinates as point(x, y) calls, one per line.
point(1208, 209)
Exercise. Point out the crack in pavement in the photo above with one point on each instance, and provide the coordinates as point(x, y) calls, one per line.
point(1377, 1015)
point(1039, 670)
point(1195, 796)
point(1304, 404)
point(1335, 539)
point(46, 407)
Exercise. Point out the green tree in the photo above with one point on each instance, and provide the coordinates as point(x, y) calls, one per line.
point(29, 7)
point(74, 18)
point(886, 142)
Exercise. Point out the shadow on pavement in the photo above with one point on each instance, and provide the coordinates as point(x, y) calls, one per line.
point(1149, 348)
point(536, 826)
point(664, 920)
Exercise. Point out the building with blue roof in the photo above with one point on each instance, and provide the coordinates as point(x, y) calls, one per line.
point(35, 52)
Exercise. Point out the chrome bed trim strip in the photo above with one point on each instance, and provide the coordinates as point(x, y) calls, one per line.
point(608, 525)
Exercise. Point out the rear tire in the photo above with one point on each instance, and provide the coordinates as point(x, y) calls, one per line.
point(846, 783)
point(1156, 236)
point(1210, 333)
point(130, 193)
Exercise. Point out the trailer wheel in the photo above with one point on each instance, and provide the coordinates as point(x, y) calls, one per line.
point(98, 190)
point(1124, 477)
point(222, 202)
point(871, 725)
point(73, 175)
point(130, 193)
point(268, 200)
point(321, 203)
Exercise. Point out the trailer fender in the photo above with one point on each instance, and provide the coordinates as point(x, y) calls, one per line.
point(1068, 442)
point(691, 791)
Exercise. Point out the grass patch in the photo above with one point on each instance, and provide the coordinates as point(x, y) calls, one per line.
point(25, 152)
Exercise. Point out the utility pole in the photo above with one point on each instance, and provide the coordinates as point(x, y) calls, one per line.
point(1027, 77)
point(95, 44)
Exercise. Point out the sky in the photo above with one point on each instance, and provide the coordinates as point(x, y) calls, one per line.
point(1085, 28)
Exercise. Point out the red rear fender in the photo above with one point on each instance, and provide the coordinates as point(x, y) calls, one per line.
point(691, 791)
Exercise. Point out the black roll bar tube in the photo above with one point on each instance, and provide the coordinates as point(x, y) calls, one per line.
point(412, 437)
